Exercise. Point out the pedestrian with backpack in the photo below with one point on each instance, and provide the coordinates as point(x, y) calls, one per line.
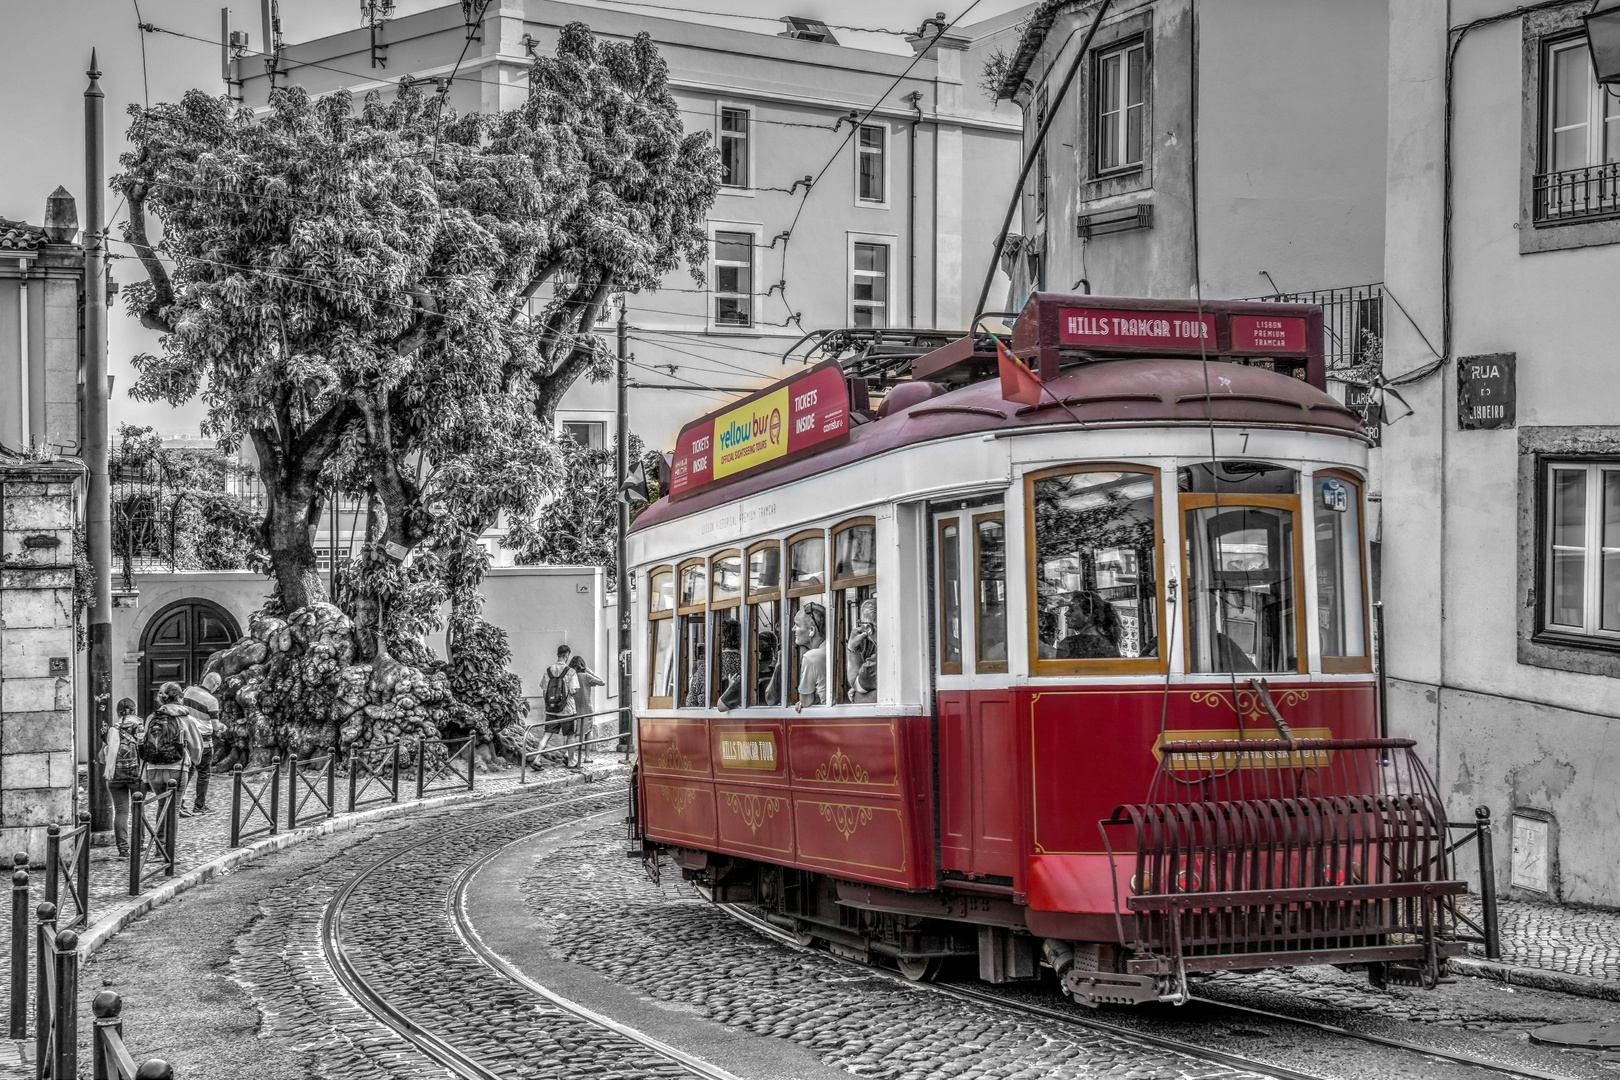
point(169, 741)
point(203, 706)
point(562, 687)
point(121, 765)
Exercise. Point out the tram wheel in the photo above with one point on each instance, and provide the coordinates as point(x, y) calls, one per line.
point(803, 937)
point(919, 969)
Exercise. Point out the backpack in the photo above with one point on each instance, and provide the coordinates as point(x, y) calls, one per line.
point(558, 699)
point(162, 745)
point(127, 765)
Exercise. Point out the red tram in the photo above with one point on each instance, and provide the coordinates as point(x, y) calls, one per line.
point(1086, 682)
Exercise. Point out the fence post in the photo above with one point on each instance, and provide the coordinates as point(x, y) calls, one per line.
point(46, 914)
point(275, 796)
point(19, 946)
point(83, 877)
point(66, 1006)
point(354, 777)
point(523, 756)
point(53, 863)
point(137, 838)
point(331, 785)
point(292, 793)
point(471, 758)
point(173, 827)
point(1487, 883)
point(108, 1008)
point(236, 806)
point(421, 767)
point(396, 770)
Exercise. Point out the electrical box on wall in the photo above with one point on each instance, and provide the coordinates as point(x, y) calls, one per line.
point(1533, 852)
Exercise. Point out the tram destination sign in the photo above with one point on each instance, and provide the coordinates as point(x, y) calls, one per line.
point(1106, 327)
point(803, 415)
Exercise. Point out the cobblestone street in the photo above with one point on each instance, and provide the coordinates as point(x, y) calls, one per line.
point(233, 979)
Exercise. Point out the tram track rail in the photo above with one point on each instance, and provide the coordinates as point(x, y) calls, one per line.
point(398, 1016)
point(1191, 1049)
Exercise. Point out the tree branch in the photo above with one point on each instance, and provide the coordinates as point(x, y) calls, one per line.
point(153, 318)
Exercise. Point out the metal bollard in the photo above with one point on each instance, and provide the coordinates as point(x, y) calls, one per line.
point(53, 864)
point(1487, 883)
point(155, 1069)
point(46, 914)
point(66, 1005)
point(396, 771)
point(472, 760)
point(173, 827)
point(354, 777)
point(421, 766)
point(137, 839)
point(331, 785)
point(108, 1009)
point(293, 777)
point(236, 807)
point(275, 796)
point(19, 946)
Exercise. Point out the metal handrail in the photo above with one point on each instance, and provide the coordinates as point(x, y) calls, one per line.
point(163, 831)
point(525, 756)
point(358, 763)
point(301, 788)
point(271, 788)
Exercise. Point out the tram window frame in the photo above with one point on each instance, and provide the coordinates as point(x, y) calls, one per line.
point(949, 570)
point(1347, 663)
point(751, 600)
point(1108, 665)
point(1190, 500)
point(837, 627)
point(980, 664)
point(792, 596)
point(683, 612)
point(717, 605)
point(655, 616)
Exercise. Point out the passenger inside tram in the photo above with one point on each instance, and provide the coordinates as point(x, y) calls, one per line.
point(767, 669)
point(729, 683)
point(810, 638)
point(860, 655)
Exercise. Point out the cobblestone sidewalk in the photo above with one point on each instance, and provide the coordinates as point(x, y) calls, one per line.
point(207, 836)
point(1569, 940)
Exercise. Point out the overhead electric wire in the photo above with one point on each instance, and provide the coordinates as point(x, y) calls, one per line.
point(756, 18)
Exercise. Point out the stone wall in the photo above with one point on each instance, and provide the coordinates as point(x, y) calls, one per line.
point(38, 504)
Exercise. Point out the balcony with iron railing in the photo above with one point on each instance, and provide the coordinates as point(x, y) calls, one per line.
point(1583, 194)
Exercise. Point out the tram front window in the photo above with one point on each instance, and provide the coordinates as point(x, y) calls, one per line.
point(1240, 589)
point(1096, 588)
point(1340, 602)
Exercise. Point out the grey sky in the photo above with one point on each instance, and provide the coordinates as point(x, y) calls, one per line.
point(45, 49)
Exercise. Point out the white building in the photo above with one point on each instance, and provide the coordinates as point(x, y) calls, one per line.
point(897, 232)
point(1501, 536)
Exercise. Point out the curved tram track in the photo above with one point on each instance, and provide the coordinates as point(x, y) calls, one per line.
point(981, 996)
point(430, 1010)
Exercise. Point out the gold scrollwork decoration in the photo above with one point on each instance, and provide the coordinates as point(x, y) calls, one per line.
point(755, 810)
point(679, 798)
point(673, 759)
point(845, 818)
point(841, 770)
point(1249, 701)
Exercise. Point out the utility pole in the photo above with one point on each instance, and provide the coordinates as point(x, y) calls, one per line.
point(98, 510)
point(622, 579)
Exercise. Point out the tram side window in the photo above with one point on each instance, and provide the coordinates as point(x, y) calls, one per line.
point(990, 572)
point(855, 594)
point(807, 620)
point(765, 637)
point(1340, 594)
point(1095, 567)
point(1240, 589)
point(950, 598)
point(725, 600)
point(694, 635)
point(661, 613)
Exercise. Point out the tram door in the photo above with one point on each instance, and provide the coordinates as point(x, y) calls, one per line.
point(978, 811)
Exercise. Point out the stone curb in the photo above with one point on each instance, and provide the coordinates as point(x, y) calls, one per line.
point(122, 915)
point(1537, 978)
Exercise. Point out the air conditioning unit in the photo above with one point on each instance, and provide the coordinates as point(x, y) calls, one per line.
point(807, 30)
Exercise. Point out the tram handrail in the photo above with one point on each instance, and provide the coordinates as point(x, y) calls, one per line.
point(525, 756)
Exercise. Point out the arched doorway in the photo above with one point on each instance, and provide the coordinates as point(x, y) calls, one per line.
point(177, 643)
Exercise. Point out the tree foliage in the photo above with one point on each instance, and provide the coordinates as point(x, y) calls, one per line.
point(579, 525)
point(393, 298)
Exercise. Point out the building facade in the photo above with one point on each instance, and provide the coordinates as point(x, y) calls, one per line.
point(1224, 137)
point(41, 278)
point(1502, 487)
point(896, 233)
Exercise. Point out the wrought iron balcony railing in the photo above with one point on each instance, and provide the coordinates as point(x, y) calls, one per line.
point(1577, 194)
point(1352, 322)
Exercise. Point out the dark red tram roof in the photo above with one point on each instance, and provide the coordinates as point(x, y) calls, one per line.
point(1104, 393)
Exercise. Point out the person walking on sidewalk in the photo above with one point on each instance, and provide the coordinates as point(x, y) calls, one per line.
point(562, 687)
point(169, 741)
point(203, 706)
point(584, 704)
point(121, 765)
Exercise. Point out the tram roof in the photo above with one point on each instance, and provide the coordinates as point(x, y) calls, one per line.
point(1100, 394)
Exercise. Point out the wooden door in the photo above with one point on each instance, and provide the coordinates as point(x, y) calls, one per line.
point(178, 642)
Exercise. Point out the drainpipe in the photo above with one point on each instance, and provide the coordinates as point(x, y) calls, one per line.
point(22, 352)
point(911, 208)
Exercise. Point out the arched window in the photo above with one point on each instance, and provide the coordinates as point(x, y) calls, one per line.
point(661, 631)
point(855, 602)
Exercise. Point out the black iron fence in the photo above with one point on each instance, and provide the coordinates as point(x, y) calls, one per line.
point(311, 781)
point(154, 831)
point(255, 794)
point(1576, 194)
point(452, 772)
point(67, 863)
point(1352, 323)
point(159, 524)
point(1486, 932)
point(374, 777)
